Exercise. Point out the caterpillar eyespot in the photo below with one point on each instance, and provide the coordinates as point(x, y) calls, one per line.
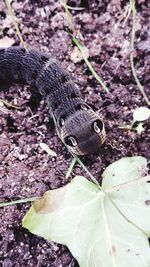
point(61, 94)
point(84, 107)
point(97, 126)
point(71, 141)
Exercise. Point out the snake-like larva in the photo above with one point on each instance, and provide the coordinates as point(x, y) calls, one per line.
point(79, 127)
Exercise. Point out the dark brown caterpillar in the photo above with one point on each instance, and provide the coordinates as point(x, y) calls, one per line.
point(79, 127)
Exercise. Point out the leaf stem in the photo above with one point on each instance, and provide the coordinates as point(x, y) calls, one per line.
point(87, 171)
point(15, 23)
point(25, 200)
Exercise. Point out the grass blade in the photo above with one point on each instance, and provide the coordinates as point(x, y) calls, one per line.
point(141, 88)
point(70, 169)
point(75, 41)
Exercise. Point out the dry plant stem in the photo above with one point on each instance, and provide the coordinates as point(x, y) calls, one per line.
point(137, 80)
point(141, 88)
point(15, 23)
point(74, 39)
point(69, 17)
point(127, 15)
point(75, 8)
point(9, 104)
point(20, 201)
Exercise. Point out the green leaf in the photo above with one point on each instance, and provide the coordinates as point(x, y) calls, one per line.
point(101, 229)
point(132, 199)
point(141, 114)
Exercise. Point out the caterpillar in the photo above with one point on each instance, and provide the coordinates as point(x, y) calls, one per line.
point(79, 127)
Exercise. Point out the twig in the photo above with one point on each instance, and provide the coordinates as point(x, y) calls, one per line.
point(9, 104)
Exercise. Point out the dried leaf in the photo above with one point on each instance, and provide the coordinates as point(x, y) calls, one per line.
point(49, 151)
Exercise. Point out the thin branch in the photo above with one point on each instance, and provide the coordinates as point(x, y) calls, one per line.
point(6, 103)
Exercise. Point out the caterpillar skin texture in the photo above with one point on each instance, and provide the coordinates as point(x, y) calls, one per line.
point(79, 127)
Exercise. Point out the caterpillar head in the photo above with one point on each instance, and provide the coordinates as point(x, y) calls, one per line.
point(83, 132)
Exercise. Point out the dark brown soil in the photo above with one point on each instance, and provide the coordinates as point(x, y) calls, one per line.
point(25, 170)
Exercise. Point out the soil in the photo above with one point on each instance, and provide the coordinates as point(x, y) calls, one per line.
point(26, 170)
